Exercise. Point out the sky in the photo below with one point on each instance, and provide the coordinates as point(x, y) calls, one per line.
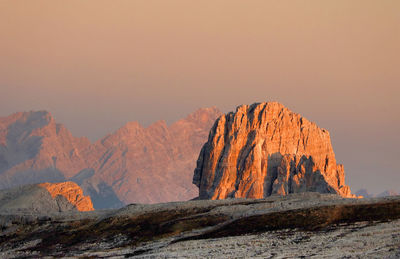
point(96, 65)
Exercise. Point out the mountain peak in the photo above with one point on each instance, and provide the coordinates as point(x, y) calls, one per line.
point(28, 120)
point(261, 105)
point(203, 114)
point(33, 116)
point(157, 124)
point(132, 125)
point(201, 117)
point(263, 149)
point(22, 124)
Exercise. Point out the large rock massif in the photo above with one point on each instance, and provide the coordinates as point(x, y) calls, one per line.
point(266, 149)
point(132, 165)
point(44, 198)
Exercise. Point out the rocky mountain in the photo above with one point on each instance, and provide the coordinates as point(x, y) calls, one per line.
point(365, 194)
point(135, 164)
point(34, 149)
point(153, 164)
point(387, 193)
point(45, 198)
point(266, 149)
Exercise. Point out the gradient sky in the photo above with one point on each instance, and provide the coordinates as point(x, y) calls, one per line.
point(98, 64)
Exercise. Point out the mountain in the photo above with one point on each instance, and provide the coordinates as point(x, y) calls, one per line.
point(34, 148)
point(387, 193)
point(135, 164)
point(364, 193)
point(45, 198)
point(153, 164)
point(266, 149)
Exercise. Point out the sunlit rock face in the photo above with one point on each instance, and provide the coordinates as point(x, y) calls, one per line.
point(44, 198)
point(72, 192)
point(266, 149)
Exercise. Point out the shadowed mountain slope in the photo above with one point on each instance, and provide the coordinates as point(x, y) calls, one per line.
point(34, 148)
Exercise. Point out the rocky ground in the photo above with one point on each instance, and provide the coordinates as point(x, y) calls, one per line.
point(302, 225)
point(360, 240)
point(44, 197)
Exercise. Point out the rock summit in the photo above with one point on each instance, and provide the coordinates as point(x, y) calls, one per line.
point(264, 149)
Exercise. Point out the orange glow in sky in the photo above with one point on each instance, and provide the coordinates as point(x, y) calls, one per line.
point(97, 64)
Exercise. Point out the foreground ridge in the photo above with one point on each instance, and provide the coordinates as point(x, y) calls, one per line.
point(302, 224)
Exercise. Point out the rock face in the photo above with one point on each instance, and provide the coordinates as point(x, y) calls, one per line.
point(44, 198)
point(72, 192)
point(266, 149)
point(135, 164)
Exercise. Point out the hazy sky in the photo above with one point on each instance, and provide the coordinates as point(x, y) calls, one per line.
point(98, 64)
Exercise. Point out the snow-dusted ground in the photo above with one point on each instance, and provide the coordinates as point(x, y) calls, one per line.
point(366, 228)
point(381, 240)
point(359, 240)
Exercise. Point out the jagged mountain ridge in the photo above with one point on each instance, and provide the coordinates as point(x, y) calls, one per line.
point(366, 194)
point(72, 192)
point(264, 149)
point(34, 148)
point(132, 165)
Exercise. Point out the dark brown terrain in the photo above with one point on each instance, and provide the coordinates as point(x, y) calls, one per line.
point(164, 229)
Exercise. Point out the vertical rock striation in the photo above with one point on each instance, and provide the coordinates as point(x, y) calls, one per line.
point(266, 149)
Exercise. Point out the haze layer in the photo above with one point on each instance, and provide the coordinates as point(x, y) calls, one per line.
point(96, 65)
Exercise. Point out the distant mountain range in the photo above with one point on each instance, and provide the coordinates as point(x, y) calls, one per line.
point(366, 194)
point(257, 151)
point(135, 164)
